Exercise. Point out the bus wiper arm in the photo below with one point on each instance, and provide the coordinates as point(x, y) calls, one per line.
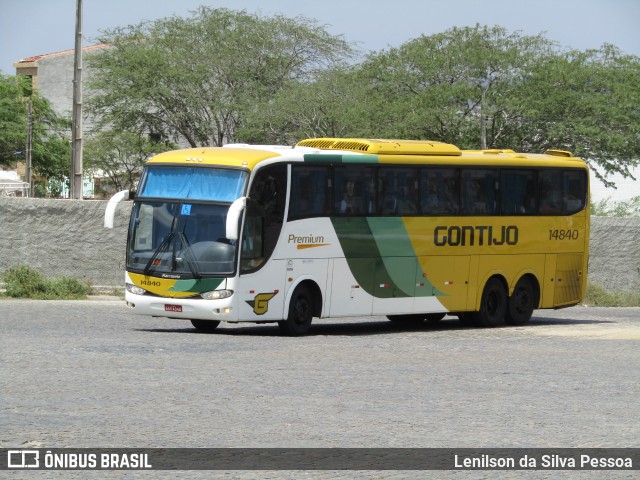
point(162, 248)
point(188, 255)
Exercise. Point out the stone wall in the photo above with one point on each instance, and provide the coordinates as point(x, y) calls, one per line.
point(67, 238)
point(64, 238)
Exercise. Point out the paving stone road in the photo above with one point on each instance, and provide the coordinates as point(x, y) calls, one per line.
point(88, 374)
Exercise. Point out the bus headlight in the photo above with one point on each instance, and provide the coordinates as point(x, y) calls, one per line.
point(134, 289)
point(216, 294)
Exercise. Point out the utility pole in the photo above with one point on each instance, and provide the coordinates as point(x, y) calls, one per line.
point(75, 184)
point(483, 118)
point(27, 174)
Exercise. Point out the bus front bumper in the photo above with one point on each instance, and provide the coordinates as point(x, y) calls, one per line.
point(186, 308)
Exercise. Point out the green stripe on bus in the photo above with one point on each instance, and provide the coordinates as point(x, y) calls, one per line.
point(196, 285)
point(380, 256)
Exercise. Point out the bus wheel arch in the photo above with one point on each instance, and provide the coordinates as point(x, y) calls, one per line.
point(524, 299)
point(493, 305)
point(304, 303)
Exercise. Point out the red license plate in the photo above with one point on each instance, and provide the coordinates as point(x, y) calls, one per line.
point(173, 308)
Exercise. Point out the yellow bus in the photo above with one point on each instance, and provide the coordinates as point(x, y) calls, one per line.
point(412, 230)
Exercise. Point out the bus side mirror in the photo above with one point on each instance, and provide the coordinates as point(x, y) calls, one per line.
point(233, 218)
point(110, 211)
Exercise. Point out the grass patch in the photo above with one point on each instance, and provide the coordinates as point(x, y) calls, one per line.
point(598, 296)
point(26, 282)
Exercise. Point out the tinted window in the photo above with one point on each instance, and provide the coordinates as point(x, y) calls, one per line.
point(575, 191)
point(440, 191)
point(354, 191)
point(479, 192)
point(518, 192)
point(309, 189)
point(398, 191)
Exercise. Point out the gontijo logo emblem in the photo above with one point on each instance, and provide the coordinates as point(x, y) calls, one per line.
point(307, 241)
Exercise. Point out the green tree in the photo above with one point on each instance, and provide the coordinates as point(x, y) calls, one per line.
point(51, 151)
point(120, 156)
point(531, 95)
point(586, 102)
point(197, 79)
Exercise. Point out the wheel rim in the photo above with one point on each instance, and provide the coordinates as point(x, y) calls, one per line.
point(522, 300)
point(301, 311)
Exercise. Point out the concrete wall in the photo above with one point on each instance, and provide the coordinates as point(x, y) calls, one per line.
point(66, 238)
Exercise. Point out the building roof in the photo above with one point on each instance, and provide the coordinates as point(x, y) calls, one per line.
point(36, 58)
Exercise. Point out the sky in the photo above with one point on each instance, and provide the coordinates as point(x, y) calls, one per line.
point(34, 27)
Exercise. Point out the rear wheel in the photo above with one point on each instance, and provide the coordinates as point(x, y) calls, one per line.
point(205, 325)
point(493, 305)
point(522, 302)
point(300, 314)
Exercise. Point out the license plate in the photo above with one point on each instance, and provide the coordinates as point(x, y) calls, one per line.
point(173, 308)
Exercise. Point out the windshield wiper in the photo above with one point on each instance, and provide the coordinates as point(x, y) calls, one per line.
point(188, 255)
point(162, 248)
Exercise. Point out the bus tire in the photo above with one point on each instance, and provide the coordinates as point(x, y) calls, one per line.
point(493, 305)
point(300, 314)
point(205, 325)
point(521, 303)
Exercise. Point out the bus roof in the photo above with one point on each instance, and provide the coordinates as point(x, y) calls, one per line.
point(355, 150)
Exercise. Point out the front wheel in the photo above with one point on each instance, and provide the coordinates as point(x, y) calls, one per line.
point(205, 325)
point(493, 306)
point(300, 314)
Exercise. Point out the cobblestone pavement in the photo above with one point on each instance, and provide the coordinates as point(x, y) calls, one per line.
point(89, 374)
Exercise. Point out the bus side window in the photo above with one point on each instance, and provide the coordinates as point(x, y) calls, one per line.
point(353, 193)
point(550, 192)
point(517, 192)
point(309, 189)
point(400, 187)
point(479, 192)
point(575, 191)
point(440, 192)
point(264, 216)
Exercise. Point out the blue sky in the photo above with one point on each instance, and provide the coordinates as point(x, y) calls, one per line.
point(32, 27)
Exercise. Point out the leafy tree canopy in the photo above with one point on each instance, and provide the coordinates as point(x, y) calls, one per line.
point(196, 79)
point(51, 151)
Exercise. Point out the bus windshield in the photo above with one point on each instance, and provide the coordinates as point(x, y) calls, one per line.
point(179, 219)
point(181, 239)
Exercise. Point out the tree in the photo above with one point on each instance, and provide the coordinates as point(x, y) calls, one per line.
point(51, 151)
point(195, 80)
point(529, 94)
point(120, 156)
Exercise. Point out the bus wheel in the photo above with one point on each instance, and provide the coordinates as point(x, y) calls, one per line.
point(300, 315)
point(205, 325)
point(521, 303)
point(493, 306)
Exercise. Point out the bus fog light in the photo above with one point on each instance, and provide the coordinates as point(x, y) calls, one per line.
point(134, 289)
point(216, 294)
